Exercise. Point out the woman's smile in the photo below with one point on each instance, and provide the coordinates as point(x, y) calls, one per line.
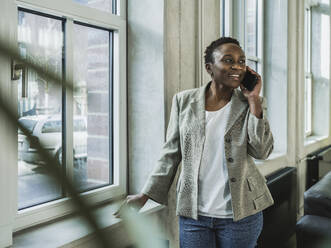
point(235, 77)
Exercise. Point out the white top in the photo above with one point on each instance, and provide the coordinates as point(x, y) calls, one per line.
point(214, 199)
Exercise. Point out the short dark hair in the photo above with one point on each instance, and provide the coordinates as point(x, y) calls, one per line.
point(209, 58)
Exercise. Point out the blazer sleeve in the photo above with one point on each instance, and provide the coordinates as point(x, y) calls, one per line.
point(161, 178)
point(260, 139)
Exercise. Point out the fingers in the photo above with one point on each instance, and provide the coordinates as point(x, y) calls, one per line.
point(117, 214)
point(128, 204)
point(243, 89)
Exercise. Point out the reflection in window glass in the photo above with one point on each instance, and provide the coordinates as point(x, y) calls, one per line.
point(92, 101)
point(251, 30)
point(105, 5)
point(39, 101)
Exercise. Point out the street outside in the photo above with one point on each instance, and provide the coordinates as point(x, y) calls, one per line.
point(36, 185)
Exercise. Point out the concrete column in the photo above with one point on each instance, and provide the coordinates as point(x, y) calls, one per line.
point(146, 125)
point(166, 41)
point(190, 26)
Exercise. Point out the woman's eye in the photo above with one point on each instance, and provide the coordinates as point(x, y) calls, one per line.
point(228, 60)
point(242, 61)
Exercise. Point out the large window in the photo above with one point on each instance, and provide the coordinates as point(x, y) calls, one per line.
point(84, 129)
point(317, 71)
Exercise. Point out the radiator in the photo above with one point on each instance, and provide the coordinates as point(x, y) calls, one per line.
point(280, 219)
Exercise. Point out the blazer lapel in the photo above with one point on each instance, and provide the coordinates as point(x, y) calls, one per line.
point(238, 105)
point(198, 108)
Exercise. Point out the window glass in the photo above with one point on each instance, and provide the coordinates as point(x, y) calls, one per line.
point(104, 5)
point(52, 127)
point(275, 74)
point(251, 28)
point(92, 107)
point(41, 40)
point(28, 124)
point(320, 63)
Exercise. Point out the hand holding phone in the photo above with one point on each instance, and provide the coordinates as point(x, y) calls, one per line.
point(249, 81)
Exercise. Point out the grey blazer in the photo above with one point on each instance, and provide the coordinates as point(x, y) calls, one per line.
point(246, 137)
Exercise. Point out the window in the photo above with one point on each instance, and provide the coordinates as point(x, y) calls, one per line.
point(253, 34)
point(92, 103)
point(40, 39)
point(84, 129)
point(317, 62)
point(275, 71)
point(308, 75)
point(226, 17)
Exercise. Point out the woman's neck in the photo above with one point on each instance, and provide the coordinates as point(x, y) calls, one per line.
point(219, 93)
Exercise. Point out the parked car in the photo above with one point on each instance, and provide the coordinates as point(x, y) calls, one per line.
point(47, 129)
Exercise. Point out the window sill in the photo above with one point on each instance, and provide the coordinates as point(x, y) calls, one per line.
point(314, 142)
point(73, 229)
point(273, 156)
point(276, 161)
point(313, 139)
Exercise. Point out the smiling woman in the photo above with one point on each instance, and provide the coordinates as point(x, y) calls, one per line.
point(214, 191)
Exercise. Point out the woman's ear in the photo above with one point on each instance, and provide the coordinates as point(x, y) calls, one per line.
point(209, 69)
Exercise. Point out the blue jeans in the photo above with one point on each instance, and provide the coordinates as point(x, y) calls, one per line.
point(208, 232)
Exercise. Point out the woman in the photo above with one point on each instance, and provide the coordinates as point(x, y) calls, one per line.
point(215, 131)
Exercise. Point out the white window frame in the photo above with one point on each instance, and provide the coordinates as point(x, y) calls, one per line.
point(117, 23)
point(308, 74)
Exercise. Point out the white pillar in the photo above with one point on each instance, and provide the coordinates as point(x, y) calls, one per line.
point(8, 137)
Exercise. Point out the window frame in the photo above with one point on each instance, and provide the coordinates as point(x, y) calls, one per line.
point(75, 12)
point(308, 74)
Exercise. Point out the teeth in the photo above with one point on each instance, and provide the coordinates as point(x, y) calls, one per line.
point(234, 75)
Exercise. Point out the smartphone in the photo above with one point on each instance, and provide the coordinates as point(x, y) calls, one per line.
point(250, 80)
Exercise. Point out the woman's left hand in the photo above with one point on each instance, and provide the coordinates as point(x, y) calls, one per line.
point(253, 98)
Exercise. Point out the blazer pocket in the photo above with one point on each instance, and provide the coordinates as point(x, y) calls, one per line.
point(261, 201)
point(256, 184)
point(252, 183)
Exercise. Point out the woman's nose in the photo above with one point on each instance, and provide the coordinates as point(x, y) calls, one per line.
point(237, 66)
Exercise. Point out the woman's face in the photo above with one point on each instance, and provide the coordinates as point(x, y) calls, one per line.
point(229, 65)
